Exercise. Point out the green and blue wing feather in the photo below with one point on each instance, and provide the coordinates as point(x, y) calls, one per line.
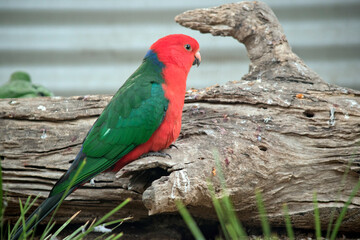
point(131, 117)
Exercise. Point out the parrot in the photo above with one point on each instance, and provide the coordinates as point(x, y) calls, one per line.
point(143, 117)
point(20, 86)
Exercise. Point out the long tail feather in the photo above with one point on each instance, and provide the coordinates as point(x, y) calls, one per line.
point(55, 196)
point(70, 178)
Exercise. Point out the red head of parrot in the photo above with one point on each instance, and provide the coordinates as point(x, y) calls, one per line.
point(177, 49)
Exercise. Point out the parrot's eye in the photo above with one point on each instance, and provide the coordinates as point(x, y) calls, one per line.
point(187, 47)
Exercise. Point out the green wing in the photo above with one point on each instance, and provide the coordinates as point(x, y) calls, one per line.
point(129, 120)
point(131, 117)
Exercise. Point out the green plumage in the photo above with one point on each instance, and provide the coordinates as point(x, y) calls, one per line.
point(131, 117)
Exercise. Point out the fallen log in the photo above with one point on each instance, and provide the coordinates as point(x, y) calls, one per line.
point(281, 129)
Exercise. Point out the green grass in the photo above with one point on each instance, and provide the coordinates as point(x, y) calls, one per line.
point(343, 211)
point(79, 233)
point(317, 217)
point(339, 220)
point(289, 229)
point(231, 226)
point(263, 216)
point(190, 221)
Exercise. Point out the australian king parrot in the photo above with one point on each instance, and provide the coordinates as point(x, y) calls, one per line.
point(143, 116)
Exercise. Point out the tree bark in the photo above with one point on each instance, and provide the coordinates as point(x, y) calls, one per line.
point(281, 130)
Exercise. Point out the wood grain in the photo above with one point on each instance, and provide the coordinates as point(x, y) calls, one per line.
point(280, 129)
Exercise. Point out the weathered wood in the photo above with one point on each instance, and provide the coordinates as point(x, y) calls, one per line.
point(281, 129)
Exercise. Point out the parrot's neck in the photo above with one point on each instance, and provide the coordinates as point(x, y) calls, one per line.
point(175, 83)
point(174, 77)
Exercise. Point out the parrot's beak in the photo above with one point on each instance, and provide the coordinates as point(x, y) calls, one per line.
point(197, 59)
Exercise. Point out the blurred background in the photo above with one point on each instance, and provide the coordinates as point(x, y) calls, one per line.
point(91, 47)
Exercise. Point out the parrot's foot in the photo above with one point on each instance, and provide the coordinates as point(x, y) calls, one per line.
point(173, 146)
point(156, 154)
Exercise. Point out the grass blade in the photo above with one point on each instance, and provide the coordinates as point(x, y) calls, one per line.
point(288, 225)
point(190, 221)
point(22, 217)
point(317, 217)
point(263, 216)
point(232, 218)
point(22, 220)
point(109, 237)
point(230, 225)
point(46, 232)
point(118, 221)
point(27, 207)
point(118, 236)
point(2, 208)
point(78, 230)
point(1, 201)
point(219, 211)
point(101, 220)
point(219, 168)
point(342, 184)
point(65, 224)
point(343, 211)
point(8, 231)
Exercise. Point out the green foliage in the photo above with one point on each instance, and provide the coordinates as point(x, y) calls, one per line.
point(20, 86)
point(317, 217)
point(262, 213)
point(343, 211)
point(103, 219)
point(231, 226)
point(190, 221)
point(288, 225)
point(338, 222)
point(229, 222)
point(78, 234)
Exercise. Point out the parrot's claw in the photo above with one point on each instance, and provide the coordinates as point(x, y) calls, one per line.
point(156, 154)
point(173, 146)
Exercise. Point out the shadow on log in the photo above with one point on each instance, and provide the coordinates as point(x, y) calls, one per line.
point(280, 129)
